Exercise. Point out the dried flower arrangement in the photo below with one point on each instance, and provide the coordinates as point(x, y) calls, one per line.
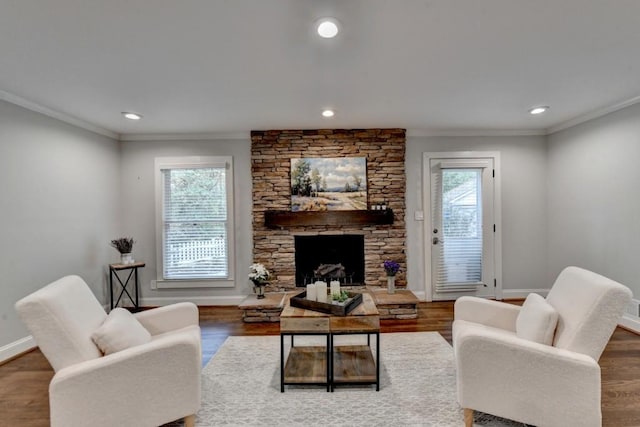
point(123, 244)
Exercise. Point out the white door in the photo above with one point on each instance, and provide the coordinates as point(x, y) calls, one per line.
point(461, 227)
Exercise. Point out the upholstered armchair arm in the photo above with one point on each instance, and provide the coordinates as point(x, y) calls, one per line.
point(168, 318)
point(499, 373)
point(140, 386)
point(487, 312)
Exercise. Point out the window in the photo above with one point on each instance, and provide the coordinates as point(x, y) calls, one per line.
point(194, 221)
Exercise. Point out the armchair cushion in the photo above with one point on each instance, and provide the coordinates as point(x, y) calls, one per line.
point(537, 320)
point(119, 331)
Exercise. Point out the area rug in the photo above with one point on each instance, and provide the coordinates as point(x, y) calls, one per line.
point(241, 387)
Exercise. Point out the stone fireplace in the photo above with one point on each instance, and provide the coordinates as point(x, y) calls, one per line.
point(329, 257)
point(276, 246)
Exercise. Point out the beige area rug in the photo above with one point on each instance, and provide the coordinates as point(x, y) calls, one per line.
point(241, 387)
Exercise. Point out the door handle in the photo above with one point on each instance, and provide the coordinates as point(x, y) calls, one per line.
point(435, 240)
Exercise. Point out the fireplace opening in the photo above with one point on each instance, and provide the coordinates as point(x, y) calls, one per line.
point(330, 257)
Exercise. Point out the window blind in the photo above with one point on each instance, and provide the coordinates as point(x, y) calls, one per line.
point(195, 212)
point(459, 265)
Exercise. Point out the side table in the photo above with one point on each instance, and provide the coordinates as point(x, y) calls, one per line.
point(133, 272)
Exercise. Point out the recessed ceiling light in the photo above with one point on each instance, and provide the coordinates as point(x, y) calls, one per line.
point(327, 28)
point(328, 113)
point(538, 110)
point(132, 116)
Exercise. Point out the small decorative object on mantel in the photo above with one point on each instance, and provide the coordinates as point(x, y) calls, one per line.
point(259, 275)
point(124, 245)
point(392, 268)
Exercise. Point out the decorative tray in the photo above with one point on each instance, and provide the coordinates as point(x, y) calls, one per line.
point(335, 308)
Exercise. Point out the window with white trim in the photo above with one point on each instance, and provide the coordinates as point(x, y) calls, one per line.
point(195, 220)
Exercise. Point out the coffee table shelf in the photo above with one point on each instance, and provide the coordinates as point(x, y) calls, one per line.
point(306, 365)
point(353, 364)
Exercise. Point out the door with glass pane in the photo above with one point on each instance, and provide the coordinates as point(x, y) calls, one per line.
point(462, 228)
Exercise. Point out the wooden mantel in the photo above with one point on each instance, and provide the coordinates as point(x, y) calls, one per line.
point(281, 219)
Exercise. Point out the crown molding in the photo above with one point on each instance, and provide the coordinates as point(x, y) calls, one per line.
point(184, 136)
point(474, 132)
point(593, 115)
point(33, 106)
point(63, 117)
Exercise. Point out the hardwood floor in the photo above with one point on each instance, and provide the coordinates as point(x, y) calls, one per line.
point(24, 381)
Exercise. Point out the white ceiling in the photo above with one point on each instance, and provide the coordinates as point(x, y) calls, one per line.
point(221, 66)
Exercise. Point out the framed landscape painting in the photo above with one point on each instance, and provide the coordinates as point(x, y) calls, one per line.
point(329, 184)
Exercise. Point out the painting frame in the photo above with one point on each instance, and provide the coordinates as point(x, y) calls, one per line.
point(328, 184)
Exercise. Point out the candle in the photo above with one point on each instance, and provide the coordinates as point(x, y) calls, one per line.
point(311, 292)
point(335, 287)
point(321, 291)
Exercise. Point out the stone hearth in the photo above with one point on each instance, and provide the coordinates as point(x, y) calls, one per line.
point(401, 305)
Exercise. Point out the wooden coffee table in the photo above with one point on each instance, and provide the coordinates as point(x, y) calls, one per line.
point(330, 365)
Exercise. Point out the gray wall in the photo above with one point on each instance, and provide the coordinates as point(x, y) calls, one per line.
point(138, 213)
point(58, 204)
point(593, 187)
point(570, 198)
point(524, 226)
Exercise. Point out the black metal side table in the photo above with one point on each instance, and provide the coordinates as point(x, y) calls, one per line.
point(133, 272)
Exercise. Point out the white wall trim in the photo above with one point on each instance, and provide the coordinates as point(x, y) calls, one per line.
point(165, 163)
point(191, 284)
point(630, 322)
point(245, 135)
point(475, 132)
point(20, 346)
point(421, 295)
point(184, 136)
point(213, 300)
point(497, 213)
point(63, 117)
point(522, 293)
point(593, 115)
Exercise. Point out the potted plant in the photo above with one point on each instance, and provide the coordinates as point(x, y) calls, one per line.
point(124, 245)
point(391, 268)
point(259, 275)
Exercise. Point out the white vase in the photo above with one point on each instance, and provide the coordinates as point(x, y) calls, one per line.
point(126, 258)
point(391, 284)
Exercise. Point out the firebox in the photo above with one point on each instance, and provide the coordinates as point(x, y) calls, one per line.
point(330, 257)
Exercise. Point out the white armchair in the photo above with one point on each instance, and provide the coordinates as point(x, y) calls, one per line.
point(557, 385)
point(145, 385)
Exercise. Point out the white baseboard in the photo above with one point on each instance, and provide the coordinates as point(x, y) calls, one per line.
point(421, 295)
point(522, 293)
point(215, 300)
point(20, 346)
point(506, 293)
point(630, 322)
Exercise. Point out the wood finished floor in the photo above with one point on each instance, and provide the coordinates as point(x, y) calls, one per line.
point(24, 381)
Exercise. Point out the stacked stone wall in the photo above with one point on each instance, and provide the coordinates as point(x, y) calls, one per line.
point(271, 154)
